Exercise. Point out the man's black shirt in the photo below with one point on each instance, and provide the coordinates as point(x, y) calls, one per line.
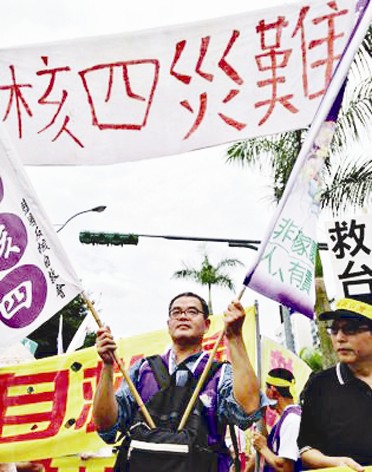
point(337, 415)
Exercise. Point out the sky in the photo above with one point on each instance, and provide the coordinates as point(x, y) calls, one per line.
point(195, 194)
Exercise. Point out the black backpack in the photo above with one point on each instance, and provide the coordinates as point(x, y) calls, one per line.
point(165, 449)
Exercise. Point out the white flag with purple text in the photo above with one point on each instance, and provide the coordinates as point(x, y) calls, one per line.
point(36, 278)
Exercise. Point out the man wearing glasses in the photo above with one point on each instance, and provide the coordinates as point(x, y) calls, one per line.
point(336, 417)
point(231, 396)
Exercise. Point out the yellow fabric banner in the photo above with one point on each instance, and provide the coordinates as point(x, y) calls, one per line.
point(75, 464)
point(105, 464)
point(45, 405)
point(275, 355)
point(343, 469)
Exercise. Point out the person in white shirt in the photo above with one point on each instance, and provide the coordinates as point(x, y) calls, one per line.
point(280, 448)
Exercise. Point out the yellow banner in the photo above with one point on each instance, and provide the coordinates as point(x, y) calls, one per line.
point(343, 469)
point(45, 405)
point(275, 355)
point(75, 464)
point(105, 464)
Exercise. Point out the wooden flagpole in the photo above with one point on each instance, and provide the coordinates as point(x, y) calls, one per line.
point(200, 383)
point(261, 421)
point(120, 364)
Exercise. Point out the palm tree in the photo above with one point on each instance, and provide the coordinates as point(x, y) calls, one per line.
point(209, 275)
point(345, 183)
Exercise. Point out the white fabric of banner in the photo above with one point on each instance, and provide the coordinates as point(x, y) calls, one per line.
point(167, 91)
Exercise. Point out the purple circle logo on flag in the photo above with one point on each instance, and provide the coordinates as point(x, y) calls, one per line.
point(23, 294)
point(13, 235)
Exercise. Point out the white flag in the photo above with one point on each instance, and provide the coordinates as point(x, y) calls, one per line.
point(80, 335)
point(36, 277)
point(60, 336)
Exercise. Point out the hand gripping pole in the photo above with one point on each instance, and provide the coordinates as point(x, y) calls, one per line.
point(120, 364)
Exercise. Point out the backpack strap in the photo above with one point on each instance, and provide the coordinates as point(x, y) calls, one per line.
point(160, 370)
point(236, 448)
point(162, 374)
point(216, 365)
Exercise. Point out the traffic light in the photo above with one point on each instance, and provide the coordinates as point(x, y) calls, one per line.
point(109, 239)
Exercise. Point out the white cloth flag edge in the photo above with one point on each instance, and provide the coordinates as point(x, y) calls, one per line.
point(80, 335)
point(21, 181)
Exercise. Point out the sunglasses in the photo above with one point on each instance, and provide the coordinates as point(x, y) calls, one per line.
point(348, 329)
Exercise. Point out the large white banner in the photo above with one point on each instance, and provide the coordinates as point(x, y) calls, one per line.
point(171, 90)
point(350, 247)
point(36, 279)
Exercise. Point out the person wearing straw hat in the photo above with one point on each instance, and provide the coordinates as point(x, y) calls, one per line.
point(336, 422)
point(280, 449)
point(231, 396)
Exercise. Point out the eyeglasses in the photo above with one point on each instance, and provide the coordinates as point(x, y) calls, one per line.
point(191, 312)
point(348, 329)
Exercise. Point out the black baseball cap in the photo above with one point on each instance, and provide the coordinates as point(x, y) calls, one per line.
point(358, 307)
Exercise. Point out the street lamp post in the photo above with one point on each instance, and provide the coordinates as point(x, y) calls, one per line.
point(98, 209)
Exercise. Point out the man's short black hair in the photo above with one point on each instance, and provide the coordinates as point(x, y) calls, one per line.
point(194, 295)
point(285, 374)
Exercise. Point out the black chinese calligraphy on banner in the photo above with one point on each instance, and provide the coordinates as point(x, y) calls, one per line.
point(350, 246)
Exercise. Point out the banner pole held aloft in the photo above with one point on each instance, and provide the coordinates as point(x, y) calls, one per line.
point(120, 364)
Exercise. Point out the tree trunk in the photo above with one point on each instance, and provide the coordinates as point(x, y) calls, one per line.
point(321, 305)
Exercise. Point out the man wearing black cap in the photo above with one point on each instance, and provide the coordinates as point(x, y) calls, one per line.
point(336, 422)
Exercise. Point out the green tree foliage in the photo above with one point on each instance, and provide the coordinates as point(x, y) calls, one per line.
point(345, 182)
point(313, 358)
point(209, 275)
point(46, 334)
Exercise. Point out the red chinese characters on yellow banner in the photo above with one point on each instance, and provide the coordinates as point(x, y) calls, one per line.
point(45, 405)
